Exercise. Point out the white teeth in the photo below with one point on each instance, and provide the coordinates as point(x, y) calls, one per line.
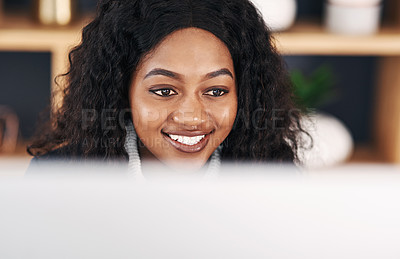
point(187, 140)
point(174, 137)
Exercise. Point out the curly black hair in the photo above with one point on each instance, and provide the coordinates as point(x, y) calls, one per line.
point(267, 124)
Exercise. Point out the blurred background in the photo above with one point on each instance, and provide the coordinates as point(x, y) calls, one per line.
point(349, 75)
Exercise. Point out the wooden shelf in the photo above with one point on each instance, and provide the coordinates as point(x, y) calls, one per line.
point(366, 154)
point(311, 38)
point(19, 33)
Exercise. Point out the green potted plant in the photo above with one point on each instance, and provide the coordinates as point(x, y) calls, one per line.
point(331, 142)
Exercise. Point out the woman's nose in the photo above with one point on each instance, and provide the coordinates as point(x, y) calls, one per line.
point(190, 114)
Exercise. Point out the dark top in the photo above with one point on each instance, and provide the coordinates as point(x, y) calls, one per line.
point(61, 160)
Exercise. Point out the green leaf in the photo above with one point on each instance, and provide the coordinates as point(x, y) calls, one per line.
point(314, 90)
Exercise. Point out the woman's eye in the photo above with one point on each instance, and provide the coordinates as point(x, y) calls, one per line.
point(164, 92)
point(216, 92)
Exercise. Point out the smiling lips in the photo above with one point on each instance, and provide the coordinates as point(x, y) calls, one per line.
point(188, 144)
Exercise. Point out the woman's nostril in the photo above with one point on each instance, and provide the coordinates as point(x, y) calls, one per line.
point(190, 121)
point(193, 118)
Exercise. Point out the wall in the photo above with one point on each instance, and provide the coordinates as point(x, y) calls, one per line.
point(24, 86)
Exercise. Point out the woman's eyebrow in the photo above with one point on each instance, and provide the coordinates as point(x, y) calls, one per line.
point(163, 72)
point(221, 72)
point(167, 73)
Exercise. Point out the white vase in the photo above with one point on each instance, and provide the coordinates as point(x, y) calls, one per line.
point(279, 15)
point(353, 17)
point(332, 141)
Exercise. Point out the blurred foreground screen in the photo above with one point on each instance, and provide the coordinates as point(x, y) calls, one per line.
point(255, 212)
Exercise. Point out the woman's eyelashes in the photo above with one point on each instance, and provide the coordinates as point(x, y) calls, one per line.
point(216, 92)
point(167, 92)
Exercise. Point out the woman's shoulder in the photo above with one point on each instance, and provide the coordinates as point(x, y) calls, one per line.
point(70, 157)
point(61, 153)
point(57, 156)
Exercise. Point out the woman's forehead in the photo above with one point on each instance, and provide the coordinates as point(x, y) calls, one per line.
point(190, 51)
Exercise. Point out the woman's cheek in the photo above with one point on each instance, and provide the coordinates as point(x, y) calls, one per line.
point(226, 114)
point(145, 111)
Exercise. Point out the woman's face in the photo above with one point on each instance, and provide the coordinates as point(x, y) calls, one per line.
point(183, 98)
